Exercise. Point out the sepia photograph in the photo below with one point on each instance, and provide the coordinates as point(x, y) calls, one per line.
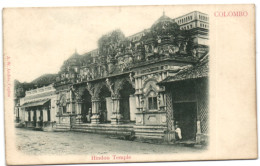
point(151, 86)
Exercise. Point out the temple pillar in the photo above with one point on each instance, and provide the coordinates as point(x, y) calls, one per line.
point(45, 115)
point(95, 118)
point(198, 134)
point(26, 112)
point(69, 108)
point(38, 114)
point(198, 87)
point(78, 106)
point(116, 117)
point(70, 100)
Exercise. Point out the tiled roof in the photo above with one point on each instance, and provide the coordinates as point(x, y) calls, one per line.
point(41, 95)
point(200, 70)
point(35, 103)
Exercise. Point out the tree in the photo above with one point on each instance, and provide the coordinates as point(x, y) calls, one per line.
point(109, 43)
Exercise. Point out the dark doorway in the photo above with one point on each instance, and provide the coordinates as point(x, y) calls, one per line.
point(41, 119)
point(104, 93)
point(86, 105)
point(18, 115)
point(34, 118)
point(48, 107)
point(48, 115)
point(185, 117)
point(125, 93)
point(29, 115)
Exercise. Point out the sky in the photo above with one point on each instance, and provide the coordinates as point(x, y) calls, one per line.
point(38, 40)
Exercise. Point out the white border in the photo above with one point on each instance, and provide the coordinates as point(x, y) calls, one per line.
point(59, 3)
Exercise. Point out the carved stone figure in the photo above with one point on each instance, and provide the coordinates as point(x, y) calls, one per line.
point(170, 50)
point(194, 53)
point(146, 48)
point(110, 85)
point(184, 46)
point(159, 50)
point(110, 67)
point(131, 77)
point(142, 101)
point(90, 89)
point(130, 60)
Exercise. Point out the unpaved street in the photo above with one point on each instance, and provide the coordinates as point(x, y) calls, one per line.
point(39, 142)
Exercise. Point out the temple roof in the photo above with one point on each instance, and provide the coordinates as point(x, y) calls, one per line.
point(163, 18)
point(74, 55)
point(200, 70)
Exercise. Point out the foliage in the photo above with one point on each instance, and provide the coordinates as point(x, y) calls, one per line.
point(109, 43)
point(43, 80)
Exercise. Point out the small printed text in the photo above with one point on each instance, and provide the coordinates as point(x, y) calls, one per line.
point(8, 62)
point(230, 13)
point(111, 157)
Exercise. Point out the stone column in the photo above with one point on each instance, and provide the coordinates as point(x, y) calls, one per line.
point(26, 112)
point(198, 134)
point(95, 111)
point(198, 87)
point(139, 102)
point(38, 114)
point(78, 106)
point(169, 116)
point(70, 109)
point(116, 117)
point(45, 116)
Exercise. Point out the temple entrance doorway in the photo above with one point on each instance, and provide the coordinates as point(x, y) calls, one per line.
point(48, 115)
point(185, 117)
point(86, 107)
point(127, 102)
point(105, 105)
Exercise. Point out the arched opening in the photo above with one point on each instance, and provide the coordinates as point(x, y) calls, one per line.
point(105, 105)
point(151, 95)
point(127, 102)
point(86, 107)
point(152, 100)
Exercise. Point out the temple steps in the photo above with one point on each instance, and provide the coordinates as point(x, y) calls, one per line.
point(114, 130)
point(125, 131)
point(102, 125)
point(147, 132)
point(62, 127)
point(142, 137)
point(103, 131)
point(150, 127)
point(144, 133)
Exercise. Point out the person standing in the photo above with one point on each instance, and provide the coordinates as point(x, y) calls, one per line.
point(178, 135)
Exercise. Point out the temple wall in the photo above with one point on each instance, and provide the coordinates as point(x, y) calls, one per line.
point(109, 108)
point(132, 107)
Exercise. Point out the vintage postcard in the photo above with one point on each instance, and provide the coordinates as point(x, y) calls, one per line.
point(129, 84)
